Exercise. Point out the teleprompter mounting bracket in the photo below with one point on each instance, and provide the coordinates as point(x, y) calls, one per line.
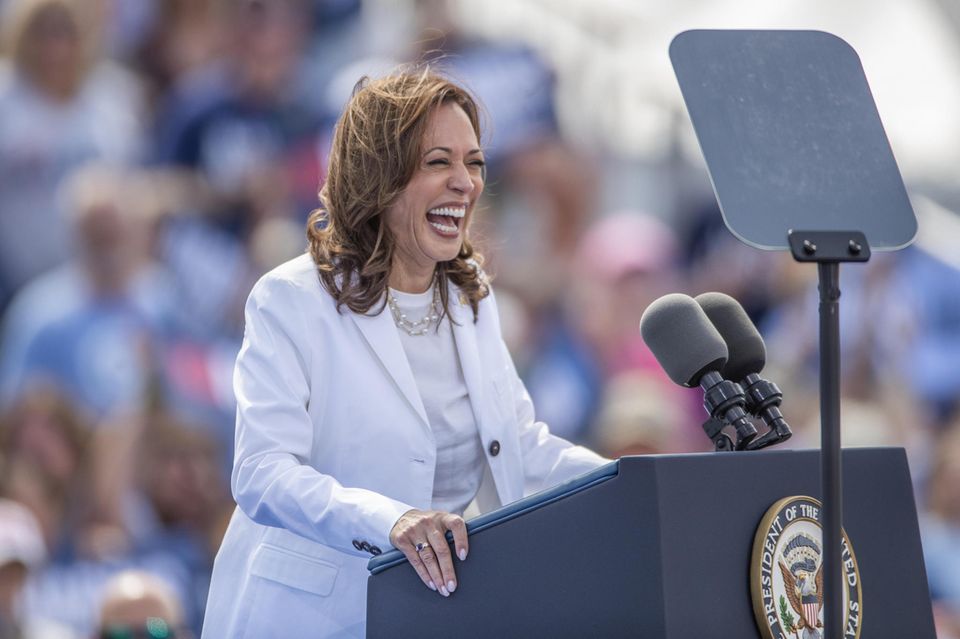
point(828, 246)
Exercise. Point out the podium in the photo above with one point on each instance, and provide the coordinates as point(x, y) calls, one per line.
point(659, 546)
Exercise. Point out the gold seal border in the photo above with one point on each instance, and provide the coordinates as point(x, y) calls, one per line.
point(756, 590)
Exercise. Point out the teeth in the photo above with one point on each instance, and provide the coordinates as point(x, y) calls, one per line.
point(449, 211)
point(443, 228)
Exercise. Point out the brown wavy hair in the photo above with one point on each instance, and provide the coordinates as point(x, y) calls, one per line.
point(376, 151)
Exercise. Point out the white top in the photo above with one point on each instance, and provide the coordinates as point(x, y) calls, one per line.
point(436, 368)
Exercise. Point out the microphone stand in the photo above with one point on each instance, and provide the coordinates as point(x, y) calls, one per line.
point(762, 399)
point(722, 442)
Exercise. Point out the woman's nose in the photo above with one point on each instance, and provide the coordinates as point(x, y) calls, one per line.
point(460, 179)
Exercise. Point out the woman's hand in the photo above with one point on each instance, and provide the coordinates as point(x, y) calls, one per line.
point(420, 535)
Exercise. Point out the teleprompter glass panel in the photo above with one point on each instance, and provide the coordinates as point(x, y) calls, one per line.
point(791, 136)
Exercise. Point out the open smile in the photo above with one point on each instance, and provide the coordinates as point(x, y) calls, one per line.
point(446, 220)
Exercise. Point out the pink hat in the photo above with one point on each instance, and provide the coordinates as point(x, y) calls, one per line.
point(627, 242)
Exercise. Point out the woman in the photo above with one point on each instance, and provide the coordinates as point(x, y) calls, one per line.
point(374, 390)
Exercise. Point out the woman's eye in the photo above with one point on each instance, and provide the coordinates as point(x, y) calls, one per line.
point(478, 163)
point(438, 162)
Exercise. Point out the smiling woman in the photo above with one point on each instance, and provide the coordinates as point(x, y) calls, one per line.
point(359, 429)
point(429, 219)
point(407, 149)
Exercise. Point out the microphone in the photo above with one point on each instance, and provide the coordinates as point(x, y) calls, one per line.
point(692, 352)
point(747, 357)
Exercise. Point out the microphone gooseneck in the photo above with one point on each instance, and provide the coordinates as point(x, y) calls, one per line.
point(725, 401)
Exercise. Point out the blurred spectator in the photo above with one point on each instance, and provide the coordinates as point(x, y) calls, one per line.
point(44, 446)
point(342, 33)
point(138, 605)
point(21, 547)
point(179, 472)
point(941, 533)
point(899, 337)
point(622, 263)
point(240, 124)
point(54, 465)
point(21, 551)
point(88, 325)
point(715, 260)
point(178, 38)
point(144, 493)
point(640, 415)
point(930, 289)
point(186, 504)
point(563, 374)
point(60, 106)
point(124, 25)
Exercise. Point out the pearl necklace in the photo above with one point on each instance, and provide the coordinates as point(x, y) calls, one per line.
point(422, 325)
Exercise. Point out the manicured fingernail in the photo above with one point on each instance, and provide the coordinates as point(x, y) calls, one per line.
point(432, 585)
point(443, 591)
point(463, 554)
point(451, 586)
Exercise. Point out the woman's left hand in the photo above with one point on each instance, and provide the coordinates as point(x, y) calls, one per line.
point(421, 536)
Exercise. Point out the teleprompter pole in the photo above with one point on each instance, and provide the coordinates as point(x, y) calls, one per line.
point(830, 465)
point(828, 249)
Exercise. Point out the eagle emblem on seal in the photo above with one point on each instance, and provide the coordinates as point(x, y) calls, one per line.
point(802, 573)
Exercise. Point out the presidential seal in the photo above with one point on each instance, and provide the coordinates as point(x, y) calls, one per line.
point(786, 573)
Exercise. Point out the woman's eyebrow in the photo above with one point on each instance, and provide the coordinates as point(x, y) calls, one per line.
point(447, 149)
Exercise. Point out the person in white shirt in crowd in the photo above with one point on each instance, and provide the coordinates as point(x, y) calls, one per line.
point(62, 105)
point(376, 398)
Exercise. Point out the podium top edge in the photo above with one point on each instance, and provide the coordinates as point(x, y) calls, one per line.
point(514, 509)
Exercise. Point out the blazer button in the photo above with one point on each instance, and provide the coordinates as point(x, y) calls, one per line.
point(365, 545)
point(375, 550)
point(357, 545)
point(494, 448)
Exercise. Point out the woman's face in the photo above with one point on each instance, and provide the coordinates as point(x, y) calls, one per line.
point(429, 218)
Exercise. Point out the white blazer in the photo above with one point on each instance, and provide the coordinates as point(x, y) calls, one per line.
point(333, 446)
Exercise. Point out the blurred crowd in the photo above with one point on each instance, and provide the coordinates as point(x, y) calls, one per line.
point(158, 156)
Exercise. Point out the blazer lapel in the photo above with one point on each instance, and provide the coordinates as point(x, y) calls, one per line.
point(381, 334)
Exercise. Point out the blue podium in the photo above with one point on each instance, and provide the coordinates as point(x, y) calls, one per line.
point(660, 546)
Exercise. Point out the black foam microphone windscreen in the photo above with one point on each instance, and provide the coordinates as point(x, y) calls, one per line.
point(682, 338)
point(747, 353)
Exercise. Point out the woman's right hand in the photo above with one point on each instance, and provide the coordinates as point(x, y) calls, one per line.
point(420, 535)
